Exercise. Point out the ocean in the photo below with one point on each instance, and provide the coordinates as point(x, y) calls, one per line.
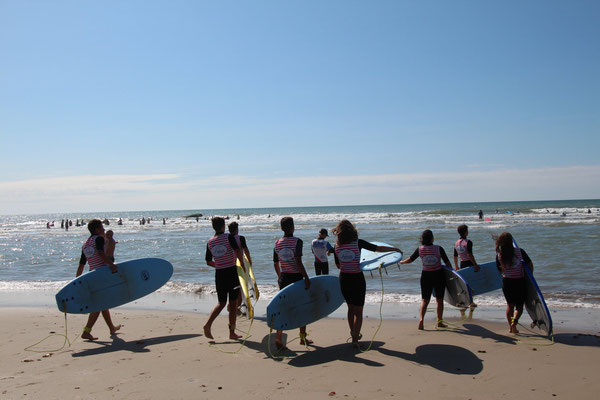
point(561, 237)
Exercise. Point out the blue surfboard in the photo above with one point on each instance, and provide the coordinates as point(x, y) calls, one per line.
point(486, 280)
point(458, 293)
point(101, 289)
point(371, 260)
point(534, 302)
point(294, 306)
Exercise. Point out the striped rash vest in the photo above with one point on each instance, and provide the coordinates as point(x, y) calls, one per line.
point(461, 247)
point(91, 253)
point(430, 257)
point(222, 251)
point(515, 269)
point(285, 248)
point(348, 256)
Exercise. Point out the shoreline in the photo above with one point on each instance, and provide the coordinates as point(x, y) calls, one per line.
point(163, 354)
point(581, 320)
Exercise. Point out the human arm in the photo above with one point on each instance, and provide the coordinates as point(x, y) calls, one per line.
point(471, 257)
point(445, 257)
point(102, 254)
point(300, 265)
point(238, 251)
point(527, 260)
point(456, 261)
point(209, 257)
point(412, 258)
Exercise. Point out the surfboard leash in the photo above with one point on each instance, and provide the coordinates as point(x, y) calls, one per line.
point(380, 314)
point(65, 335)
point(269, 344)
point(246, 336)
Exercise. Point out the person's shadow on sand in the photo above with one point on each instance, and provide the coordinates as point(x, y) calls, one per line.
point(447, 358)
point(479, 331)
point(577, 339)
point(135, 346)
point(443, 357)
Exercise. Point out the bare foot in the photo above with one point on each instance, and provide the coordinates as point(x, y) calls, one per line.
point(88, 336)
point(233, 335)
point(280, 346)
point(207, 333)
point(115, 329)
point(513, 329)
point(440, 324)
point(420, 326)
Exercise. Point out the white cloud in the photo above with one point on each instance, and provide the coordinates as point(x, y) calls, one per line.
point(176, 191)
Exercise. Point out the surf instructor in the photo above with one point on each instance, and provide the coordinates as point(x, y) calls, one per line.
point(93, 253)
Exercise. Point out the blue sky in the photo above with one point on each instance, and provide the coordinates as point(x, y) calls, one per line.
point(136, 105)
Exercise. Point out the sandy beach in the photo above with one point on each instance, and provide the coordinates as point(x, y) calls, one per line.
point(163, 354)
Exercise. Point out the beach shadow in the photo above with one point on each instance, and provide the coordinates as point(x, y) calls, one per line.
point(484, 333)
point(443, 357)
point(577, 339)
point(341, 352)
point(270, 350)
point(134, 346)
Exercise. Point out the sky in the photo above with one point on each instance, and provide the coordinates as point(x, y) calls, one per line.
point(165, 105)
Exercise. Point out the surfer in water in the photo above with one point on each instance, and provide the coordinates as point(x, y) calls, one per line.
point(432, 276)
point(352, 280)
point(93, 253)
point(287, 260)
point(509, 260)
point(221, 252)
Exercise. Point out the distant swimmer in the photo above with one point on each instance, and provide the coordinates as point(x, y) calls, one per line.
point(564, 214)
point(120, 222)
point(480, 213)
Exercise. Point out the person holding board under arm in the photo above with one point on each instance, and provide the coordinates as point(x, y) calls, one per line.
point(352, 279)
point(221, 252)
point(287, 260)
point(92, 253)
point(509, 260)
point(432, 276)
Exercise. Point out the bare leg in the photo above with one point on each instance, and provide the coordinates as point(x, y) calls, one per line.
point(87, 330)
point(213, 315)
point(303, 336)
point(279, 341)
point(424, 304)
point(232, 317)
point(358, 319)
point(113, 328)
point(440, 313)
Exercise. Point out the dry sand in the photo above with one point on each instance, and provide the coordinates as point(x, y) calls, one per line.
point(163, 355)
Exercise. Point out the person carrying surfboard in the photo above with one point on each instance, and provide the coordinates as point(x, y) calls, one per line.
point(287, 260)
point(463, 250)
point(352, 280)
point(432, 275)
point(233, 228)
point(509, 260)
point(221, 252)
point(92, 253)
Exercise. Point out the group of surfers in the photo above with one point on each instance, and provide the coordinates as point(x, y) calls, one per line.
point(223, 249)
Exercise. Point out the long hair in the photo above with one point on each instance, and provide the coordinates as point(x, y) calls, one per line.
point(345, 232)
point(504, 247)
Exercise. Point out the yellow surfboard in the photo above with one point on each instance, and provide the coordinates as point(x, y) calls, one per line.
point(248, 285)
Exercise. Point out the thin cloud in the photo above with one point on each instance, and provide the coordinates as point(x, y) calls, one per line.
point(176, 191)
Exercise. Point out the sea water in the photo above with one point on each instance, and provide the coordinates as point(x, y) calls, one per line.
point(561, 237)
